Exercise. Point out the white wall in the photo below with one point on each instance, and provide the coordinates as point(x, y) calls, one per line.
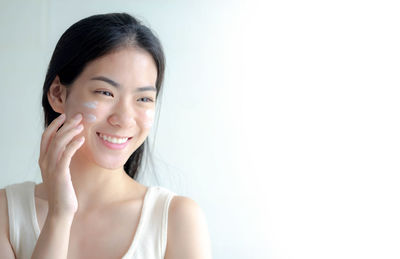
point(280, 119)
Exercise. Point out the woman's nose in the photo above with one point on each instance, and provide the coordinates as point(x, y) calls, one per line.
point(124, 116)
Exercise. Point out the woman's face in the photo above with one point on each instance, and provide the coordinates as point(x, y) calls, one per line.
point(116, 95)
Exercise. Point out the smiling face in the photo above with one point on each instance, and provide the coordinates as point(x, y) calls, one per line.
point(116, 94)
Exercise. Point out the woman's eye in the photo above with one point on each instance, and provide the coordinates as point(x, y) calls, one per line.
point(145, 99)
point(107, 93)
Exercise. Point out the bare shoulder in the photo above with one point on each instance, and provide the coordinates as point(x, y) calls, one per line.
point(6, 251)
point(181, 207)
point(188, 235)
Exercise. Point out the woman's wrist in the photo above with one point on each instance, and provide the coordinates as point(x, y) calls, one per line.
point(58, 217)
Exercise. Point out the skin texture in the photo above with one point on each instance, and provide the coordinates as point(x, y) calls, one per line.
point(87, 206)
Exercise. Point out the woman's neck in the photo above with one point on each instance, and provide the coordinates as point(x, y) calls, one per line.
point(96, 186)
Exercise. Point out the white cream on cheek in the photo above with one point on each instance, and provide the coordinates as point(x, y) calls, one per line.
point(87, 115)
point(149, 118)
point(90, 105)
point(90, 117)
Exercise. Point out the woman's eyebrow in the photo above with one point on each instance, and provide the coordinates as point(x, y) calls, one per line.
point(117, 85)
point(107, 80)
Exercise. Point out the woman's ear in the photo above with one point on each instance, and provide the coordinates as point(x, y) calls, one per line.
point(57, 95)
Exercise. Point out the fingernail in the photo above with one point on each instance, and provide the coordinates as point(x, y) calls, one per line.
point(62, 116)
point(79, 127)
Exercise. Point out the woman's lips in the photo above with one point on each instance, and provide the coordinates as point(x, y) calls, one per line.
point(106, 140)
point(112, 136)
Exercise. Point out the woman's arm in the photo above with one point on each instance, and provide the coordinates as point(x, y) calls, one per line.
point(56, 150)
point(6, 251)
point(188, 235)
point(54, 238)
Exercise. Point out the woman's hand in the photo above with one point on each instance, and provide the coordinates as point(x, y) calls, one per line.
point(56, 151)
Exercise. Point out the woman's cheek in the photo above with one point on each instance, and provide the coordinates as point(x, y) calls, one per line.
point(148, 118)
point(74, 106)
point(91, 110)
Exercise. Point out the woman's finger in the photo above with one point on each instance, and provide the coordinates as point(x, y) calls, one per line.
point(69, 151)
point(58, 146)
point(49, 133)
point(55, 132)
point(70, 123)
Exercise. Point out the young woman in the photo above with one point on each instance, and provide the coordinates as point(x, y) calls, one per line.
point(99, 99)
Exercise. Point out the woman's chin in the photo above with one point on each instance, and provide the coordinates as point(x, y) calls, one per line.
point(111, 165)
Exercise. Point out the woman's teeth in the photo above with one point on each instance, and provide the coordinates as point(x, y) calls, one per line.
point(113, 140)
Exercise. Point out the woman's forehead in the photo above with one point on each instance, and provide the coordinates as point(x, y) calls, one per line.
point(127, 66)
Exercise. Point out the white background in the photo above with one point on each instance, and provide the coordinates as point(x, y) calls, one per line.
point(280, 119)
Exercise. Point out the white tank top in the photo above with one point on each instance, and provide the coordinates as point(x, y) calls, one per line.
point(149, 242)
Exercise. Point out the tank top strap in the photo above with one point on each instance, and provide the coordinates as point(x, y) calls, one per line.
point(151, 235)
point(22, 218)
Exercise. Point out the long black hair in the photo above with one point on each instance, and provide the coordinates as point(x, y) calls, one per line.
point(91, 38)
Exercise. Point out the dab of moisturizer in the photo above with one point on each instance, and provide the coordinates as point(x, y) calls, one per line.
point(91, 105)
point(90, 117)
point(149, 118)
